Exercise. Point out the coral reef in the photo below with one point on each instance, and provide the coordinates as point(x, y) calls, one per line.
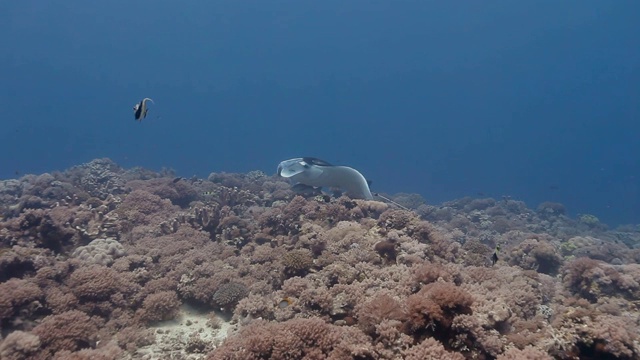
point(159, 306)
point(100, 262)
point(229, 294)
point(100, 251)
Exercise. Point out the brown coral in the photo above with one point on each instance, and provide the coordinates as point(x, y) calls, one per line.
point(159, 306)
point(71, 330)
point(297, 262)
point(19, 345)
point(294, 339)
point(312, 270)
point(436, 305)
point(379, 308)
point(430, 349)
point(16, 294)
point(95, 282)
point(229, 294)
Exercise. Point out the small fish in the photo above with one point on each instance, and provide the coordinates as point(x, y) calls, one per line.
point(494, 257)
point(285, 302)
point(208, 193)
point(176, 180)
point(140, 109)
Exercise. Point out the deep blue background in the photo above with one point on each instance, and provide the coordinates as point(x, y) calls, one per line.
point(534, 99)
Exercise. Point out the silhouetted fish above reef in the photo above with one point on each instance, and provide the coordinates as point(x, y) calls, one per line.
point(140, 109)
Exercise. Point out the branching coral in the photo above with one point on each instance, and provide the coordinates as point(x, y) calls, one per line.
point(430, 349)
point(432, 310)
point(180, 192)
point(50, 228)
point(163, 305)
point(72, 330)
point(19, 345)
point(17, 294)
point(591, 279)
point(295, 339)
point(380, 308)
point(99, 178)
point(97, 283)
point(141, 207)
point(534, 254)
point(297, 262)
point(229, 294)
point(20, 261)
point(528, 353)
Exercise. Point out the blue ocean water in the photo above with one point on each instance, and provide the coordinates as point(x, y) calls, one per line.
point(534, 100)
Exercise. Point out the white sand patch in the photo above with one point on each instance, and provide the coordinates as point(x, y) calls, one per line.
point(189, 336)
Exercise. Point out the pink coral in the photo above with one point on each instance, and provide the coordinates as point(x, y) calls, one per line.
point(47, 228)
point(229, 294)
point(15, 294)
point(437, 303)
point(110, 351)
point(419, 293)
point(426, 273)
point(163, 305)
point(379, 308)
point(180, 192)
point(613, 336)
point(294, 339)
point(19, 345)
point(297, 262)
point(141, 207)
point(20, 261)
point(71, 330)
point(536, 254)
point(591, 278)
point(430, 349)
point(528, 353)
point(95, 282)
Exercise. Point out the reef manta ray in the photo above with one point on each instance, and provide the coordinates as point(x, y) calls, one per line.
point(319, 173)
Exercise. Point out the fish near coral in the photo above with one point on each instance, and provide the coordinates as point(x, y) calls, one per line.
point(285, 302)
point(140, 109)
point(494, 257)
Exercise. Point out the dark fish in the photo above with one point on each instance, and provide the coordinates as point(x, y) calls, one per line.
point(494, 257)
point(140, 109)
point(208, 193)
point(176, 180)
